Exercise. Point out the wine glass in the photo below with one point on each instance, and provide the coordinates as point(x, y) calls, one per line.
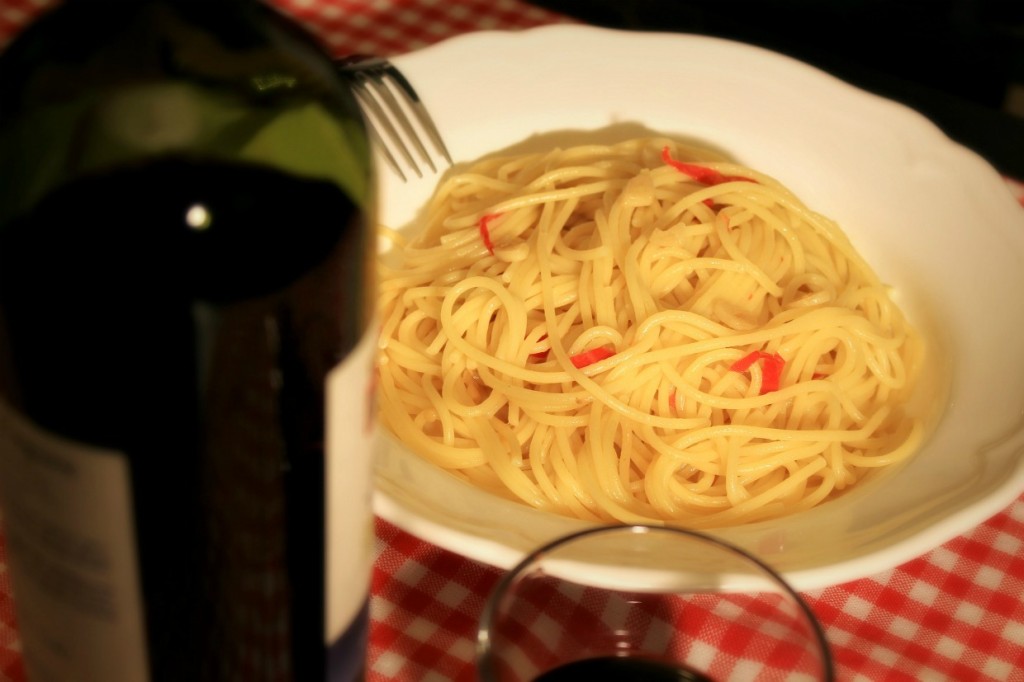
point(638, 602)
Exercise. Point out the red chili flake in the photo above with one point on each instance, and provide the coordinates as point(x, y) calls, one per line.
point(485, 231)
point(589, 357)
point(771, 368)
point(702, 174)
point(771, 373)
point(542, 354)
point(673, 400)
point(744, 363)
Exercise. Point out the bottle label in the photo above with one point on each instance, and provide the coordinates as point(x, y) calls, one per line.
point(72, 558)
point(68, 526)
point(351, 430)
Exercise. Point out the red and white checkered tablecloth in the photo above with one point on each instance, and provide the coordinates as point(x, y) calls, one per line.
point(956, 613)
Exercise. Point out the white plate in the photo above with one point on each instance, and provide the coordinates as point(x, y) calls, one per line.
point(934, 219)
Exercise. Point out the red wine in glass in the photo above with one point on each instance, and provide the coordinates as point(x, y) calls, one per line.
point(619, 668)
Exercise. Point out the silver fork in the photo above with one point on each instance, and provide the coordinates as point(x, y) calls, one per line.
point(388, 101)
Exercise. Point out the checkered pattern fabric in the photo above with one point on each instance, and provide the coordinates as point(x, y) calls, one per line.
point(390, 27)
point(954, 614)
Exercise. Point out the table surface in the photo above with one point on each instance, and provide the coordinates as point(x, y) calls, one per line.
point(954, 613)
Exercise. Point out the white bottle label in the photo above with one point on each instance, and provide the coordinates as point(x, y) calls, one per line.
point(72, 556)
point(351, 430)
point(68, 525)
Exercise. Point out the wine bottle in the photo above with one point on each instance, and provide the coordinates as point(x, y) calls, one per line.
point(186, 346)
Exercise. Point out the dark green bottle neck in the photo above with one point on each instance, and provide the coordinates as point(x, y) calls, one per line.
point(98, 84)
point(83, 45)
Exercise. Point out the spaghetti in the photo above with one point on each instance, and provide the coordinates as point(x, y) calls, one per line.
point(642, 333)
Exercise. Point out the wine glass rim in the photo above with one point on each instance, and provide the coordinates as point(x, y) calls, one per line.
point(483, 648)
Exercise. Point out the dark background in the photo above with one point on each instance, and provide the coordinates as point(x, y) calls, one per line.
point(959, 62)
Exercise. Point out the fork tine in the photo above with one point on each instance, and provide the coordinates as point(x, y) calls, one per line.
point(388, 156)
point(368, 91)
point(375, 82)
point(421, 111)
point(378, 119)
point(379, 78)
